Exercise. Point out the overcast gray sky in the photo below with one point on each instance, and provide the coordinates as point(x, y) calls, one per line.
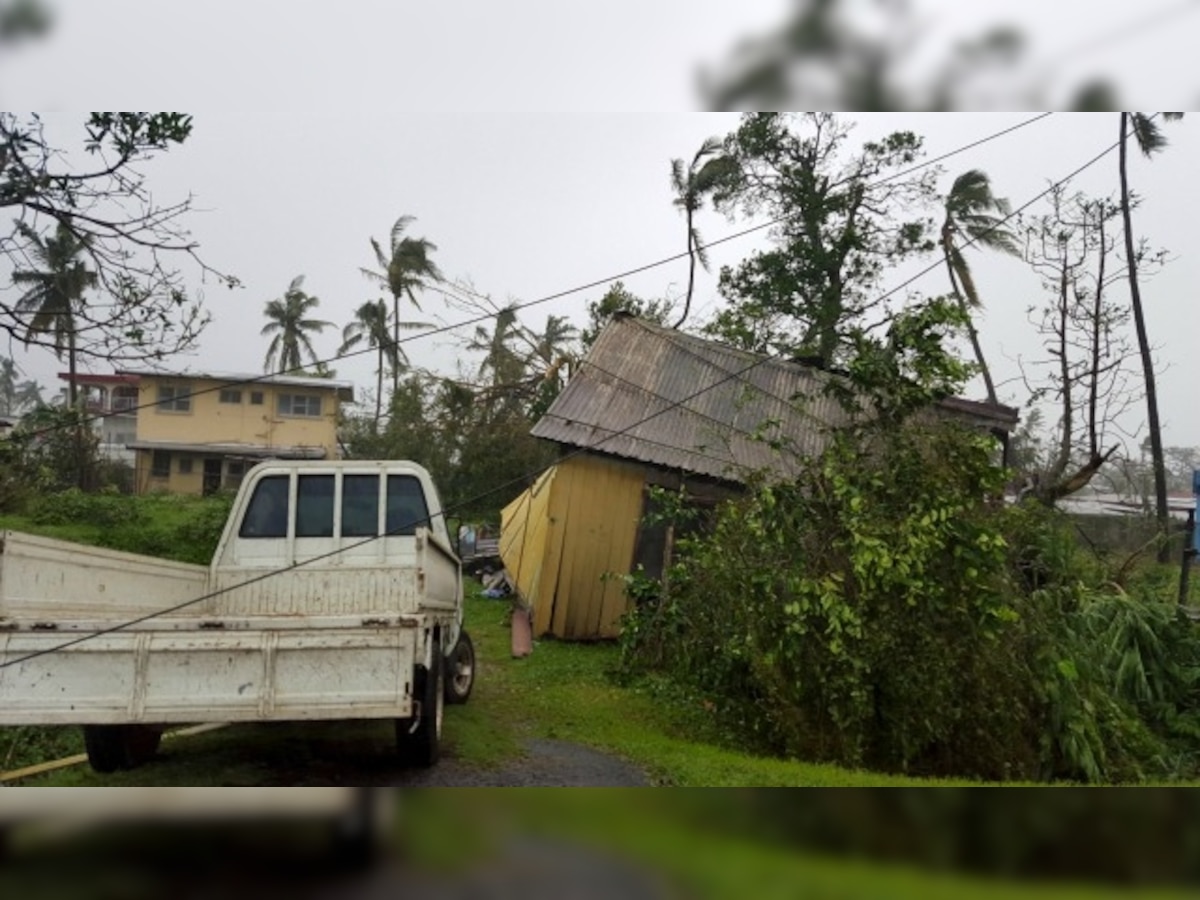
point(316, 125)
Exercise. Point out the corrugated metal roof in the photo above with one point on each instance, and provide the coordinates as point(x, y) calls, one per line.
point(652, 394)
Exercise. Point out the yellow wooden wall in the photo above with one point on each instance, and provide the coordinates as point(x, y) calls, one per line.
point(561, 538)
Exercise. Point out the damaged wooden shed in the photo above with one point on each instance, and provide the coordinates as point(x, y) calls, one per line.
point(650, 406)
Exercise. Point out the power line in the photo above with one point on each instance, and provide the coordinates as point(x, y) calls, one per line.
point(526, 478)
point(517, 307)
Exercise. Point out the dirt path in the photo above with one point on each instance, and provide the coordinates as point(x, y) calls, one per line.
point(546, 764)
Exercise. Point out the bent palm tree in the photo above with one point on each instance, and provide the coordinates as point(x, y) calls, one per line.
point(691, 186)
point(55, 293)
point(407, 267)
point(289, 323)
point(974, 211)
point(1150, 141)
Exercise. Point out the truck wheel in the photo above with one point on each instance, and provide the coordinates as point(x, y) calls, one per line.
point(419, 746)
point(114, 747)
point(460, 670)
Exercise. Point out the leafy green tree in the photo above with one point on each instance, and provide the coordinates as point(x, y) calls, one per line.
point(100, 195)
point(618, 299)
point(1149, 140)
point(405, 269)
point(840, 222)
point(289, 323)
point(973, 212)
point(54, 293)
point(691, 186)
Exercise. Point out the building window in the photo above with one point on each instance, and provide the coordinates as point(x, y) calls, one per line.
point(299, 405)
point(235, 471)
point(256, 398)
point(124, 399)
point(185, 465)
point(174, 398)
point(230, 396)
point(160, 464)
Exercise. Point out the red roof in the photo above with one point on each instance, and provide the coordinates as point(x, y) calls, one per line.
point(88, 378)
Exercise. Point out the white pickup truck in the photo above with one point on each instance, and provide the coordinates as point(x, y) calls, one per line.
point(334, 593)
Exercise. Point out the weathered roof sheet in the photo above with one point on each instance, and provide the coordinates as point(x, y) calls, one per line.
point(660, 396)
point(255, 451)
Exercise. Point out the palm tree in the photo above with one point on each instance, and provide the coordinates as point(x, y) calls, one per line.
point(407, 267)
point(550, 347)
point(370, 324)
point(691, 185)
point(288, 322)
point(29, 395)
point(55, 292)
point(1150, 141)
point(974, 211)
point(8, 386)
point(506, 367)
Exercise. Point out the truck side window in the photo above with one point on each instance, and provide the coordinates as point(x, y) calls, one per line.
point(314, 506)
point(406, 510)
point(360, 506)
point(267, 513)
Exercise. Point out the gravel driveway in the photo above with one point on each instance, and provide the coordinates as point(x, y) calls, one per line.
point(546, 764)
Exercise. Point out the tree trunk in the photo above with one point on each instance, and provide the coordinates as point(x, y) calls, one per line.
point(379, 390)
point(971, 332)
point(687, 305)
point(395, 344)
point(1135, 295)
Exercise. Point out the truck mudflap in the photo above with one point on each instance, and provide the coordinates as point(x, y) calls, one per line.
point(225, 674)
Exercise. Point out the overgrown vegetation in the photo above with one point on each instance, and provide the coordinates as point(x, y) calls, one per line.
point(888, 609)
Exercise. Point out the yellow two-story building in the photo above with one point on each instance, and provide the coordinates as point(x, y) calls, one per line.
point(199, 432)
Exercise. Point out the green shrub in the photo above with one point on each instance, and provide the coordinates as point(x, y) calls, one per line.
point(882, 611)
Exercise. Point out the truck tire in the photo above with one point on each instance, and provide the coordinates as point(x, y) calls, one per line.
point(460, 670)
point(419, 746)
point(111, 748)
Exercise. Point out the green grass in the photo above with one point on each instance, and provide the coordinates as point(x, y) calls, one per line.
point(681, 837)
point(563, 691)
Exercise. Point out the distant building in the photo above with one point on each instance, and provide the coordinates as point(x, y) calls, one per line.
point(199, 432)
point(111, 402)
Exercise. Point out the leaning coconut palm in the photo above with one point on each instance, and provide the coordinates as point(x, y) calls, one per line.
point(405, 269)
point(691, 185)
point(976, 214)
point(291, 327)
point(54, 293)
point(1150, 141)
